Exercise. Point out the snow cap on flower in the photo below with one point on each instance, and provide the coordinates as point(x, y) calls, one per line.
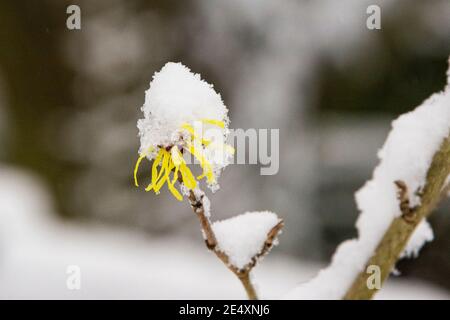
point(179, 110)
point(176, 96)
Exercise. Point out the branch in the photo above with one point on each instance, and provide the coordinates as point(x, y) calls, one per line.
point(397, 235)
point(197, 206)
point(243, 274)
point(445, 192)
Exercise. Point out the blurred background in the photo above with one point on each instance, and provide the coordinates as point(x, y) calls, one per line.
point(70, 99)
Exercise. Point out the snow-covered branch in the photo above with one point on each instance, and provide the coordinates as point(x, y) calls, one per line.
point(410, 180)
point(396, 238)
point(239, 242)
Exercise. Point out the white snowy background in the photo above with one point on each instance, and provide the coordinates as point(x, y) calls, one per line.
point(69, 103)
point(119, 263)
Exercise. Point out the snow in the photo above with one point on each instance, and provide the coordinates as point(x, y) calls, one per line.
point(115, 263)
point(176, 96)
point(199, 194)
point(421, 235)
point(123, 264)
point(242, 237)
point(206, 206)
point(406, 155)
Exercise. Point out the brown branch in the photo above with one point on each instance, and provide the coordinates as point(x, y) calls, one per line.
point(445, 192)
point(211, 243)
point(399, 232)
point(197, 206)
point(247, 283)
point(268, 244)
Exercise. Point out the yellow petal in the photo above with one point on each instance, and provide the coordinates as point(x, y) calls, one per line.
point(177, 157)
point(207, 168)
point(155, 175)
point(214, 122)
point(165, 167)
point(170, 183)
point(188, 177)
point(138, 162)
point(174, 191)
point(136, 167)
point(194, 136)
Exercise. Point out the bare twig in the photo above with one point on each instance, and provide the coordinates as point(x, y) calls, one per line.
point(197, 206)
point(401, 228)
point(268, 244)
point(247, 283)
point(243, 275)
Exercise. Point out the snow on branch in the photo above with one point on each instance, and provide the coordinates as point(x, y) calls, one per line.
point(247, 237)
point(409, 181)
point(239, 241)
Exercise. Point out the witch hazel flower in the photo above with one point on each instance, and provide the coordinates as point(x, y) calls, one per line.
point(183, 115)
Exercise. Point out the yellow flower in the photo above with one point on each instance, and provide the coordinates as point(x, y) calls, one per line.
point(169, 165)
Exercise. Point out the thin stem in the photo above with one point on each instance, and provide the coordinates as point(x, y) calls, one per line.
point(211, 243)
point(197, 206)
point(247, 283)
